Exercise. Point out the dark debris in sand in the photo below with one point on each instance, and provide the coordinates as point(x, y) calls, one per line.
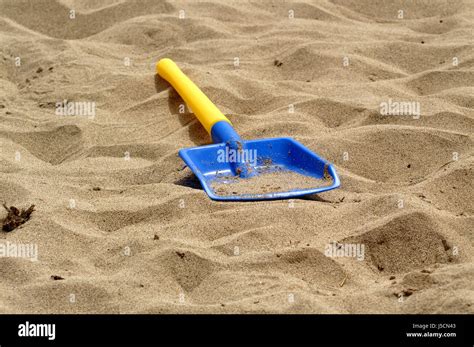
point(16, 217)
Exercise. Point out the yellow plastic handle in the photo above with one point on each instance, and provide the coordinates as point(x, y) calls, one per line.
point(207, 113)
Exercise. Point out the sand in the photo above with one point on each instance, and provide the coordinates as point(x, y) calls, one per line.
point(266, 182)
point(121, 226)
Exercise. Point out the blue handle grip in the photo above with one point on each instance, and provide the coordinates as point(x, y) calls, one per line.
point(223, 132)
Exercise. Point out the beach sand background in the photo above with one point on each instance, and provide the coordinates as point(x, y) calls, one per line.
point(128, 228)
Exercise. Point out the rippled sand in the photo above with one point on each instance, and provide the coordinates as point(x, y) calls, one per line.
point(129, 230)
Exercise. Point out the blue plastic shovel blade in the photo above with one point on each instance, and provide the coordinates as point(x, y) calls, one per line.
point(283, 153)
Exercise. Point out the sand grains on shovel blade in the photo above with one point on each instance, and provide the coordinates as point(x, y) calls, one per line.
point(266, 182)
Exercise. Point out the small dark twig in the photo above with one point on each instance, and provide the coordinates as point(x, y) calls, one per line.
point(16, 217)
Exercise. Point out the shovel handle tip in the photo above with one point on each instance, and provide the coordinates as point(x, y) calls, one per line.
point(207, 113)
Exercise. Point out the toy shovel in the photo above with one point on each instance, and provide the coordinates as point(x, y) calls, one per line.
point(225, 162)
